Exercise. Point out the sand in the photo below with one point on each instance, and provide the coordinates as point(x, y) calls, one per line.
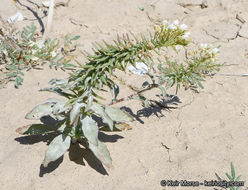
point(194, 142)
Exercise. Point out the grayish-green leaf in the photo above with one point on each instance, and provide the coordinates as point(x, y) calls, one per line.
point(90, 130)
point(162, 88)
point(75, 112)
point(40, 111)
point(57, 148)
point(99, 110)
point(117, 114)
point(102, 153)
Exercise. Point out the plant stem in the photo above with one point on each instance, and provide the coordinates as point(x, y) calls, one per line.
point(132, 95)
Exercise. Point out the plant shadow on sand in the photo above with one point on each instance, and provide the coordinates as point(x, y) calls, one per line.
point(78, 153)
point(156, 108)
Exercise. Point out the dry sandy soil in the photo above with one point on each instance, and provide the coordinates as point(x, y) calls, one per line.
point(206, 132)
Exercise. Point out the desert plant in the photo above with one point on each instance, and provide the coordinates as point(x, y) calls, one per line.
point(233, 178)
point(76, 116)
point(23, 50)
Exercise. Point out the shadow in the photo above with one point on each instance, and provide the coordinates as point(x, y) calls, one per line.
point(33, 3)
point(128, 110)
point(51, 166)
point(35, 15)
point(48, 120)
point(78, 154)
point(47, 138)
point(108, 138)
point(32, 139)
point(155, 108)
point(98, 120)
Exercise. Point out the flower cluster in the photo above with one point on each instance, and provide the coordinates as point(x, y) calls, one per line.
point(176, 26)
point(207, 50)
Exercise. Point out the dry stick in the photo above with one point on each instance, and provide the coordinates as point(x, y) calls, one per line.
point(237, 75)
point(49, 20)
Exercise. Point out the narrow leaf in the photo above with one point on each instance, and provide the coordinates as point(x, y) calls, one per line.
point(75, 38)
point(232, 171)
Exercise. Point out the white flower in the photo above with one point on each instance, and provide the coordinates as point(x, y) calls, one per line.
point(35, 58)
point(172, 27)
point(140, 69)
point(165, 22)
point(177, 47)
point(176, 22)
point(34, 51)
point(216, 50)
point(53, 53)
point(183, 26)
point(186, 35)
point(40, 44)
point(204, 46)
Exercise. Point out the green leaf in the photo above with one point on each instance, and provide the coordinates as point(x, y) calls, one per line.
point(102, 153)
point(57, 148)
point(58, 91)
point(10, 75)
point(200, 84)
point(229, 177)
point(146, 103)
point(40, 111)
point(58, 82)
point(238, 178)
point(18, 81)
point(90, 130)
point(145, 84)
point(116, 91)
point(232, 171)
point(162, 88)
point(75, 38)
point(197, 77)
point(34, 129)
point(99, 110)
point(117, 114)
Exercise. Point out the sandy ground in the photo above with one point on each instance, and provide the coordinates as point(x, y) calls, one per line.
point(205, 133)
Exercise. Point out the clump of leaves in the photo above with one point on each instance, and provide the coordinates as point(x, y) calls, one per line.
point(233, 178)
point(76, 116)
point(23, 50)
